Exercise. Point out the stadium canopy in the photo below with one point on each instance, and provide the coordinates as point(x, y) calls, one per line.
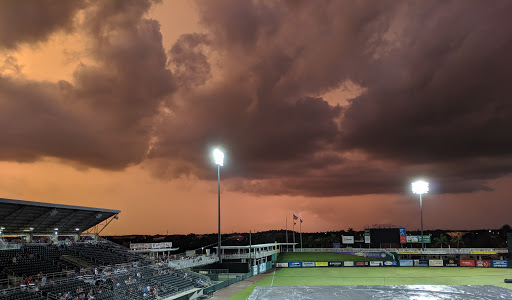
point(23, 217)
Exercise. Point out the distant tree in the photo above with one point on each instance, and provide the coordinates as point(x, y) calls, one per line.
point(457, 240)
point(333, 238)
point(442, 239)
point(505, 228)
point(309, 241)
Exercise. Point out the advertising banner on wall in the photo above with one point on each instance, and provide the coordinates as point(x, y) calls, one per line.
point(402, 231)
point(308, 264)
point(406, 263)
point(421, 262)
point(433, 252)
point(166, 245)
point(467, 263)
point(403, 239)
point(254, 270)
point(321, 264)
point(417, 239)
point(294, 265)
point(335, 264)
point(489, 252)
point(376, 263)
point(347, 239)
point(362, 264)
point(390, 263)
point(499, 264)
point(367, 237)
point(282, 265)
point(484, 263)
point(409, 252)
point(336, 245)
point(451, 262)
point(348, 263)
point(435, 263)
point(263, 268)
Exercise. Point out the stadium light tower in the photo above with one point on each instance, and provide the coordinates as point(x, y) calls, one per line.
point(420, 187)
point(218, 156)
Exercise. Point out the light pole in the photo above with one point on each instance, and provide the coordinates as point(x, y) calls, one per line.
point(219, 161)
point(420, 187)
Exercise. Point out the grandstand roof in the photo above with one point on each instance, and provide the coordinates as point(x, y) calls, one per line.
point(18, 216)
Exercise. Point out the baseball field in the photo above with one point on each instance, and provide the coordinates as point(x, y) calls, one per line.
point(382, 276)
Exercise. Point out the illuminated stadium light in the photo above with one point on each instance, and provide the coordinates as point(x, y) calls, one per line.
point(56, 229)
point(218, 156)
point(77, 229)
point(31, 228)
point(420, 187)
point(219, 161)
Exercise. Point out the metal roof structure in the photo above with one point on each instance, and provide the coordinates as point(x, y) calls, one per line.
point(19, 216)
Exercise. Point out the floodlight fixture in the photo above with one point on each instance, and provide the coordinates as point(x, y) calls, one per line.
point(31, 228)
point(56, 229)
point(420, 187)
point(77, 229)
point(218, 155)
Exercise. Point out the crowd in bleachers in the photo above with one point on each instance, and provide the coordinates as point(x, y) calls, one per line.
point(117, 273)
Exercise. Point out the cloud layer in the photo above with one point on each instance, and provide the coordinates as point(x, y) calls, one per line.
point(434, 102)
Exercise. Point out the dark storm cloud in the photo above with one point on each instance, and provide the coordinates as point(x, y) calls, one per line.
point(435, 77)
point(104, 117)
point(190, 64)
point(29, 21)
point(436, 102)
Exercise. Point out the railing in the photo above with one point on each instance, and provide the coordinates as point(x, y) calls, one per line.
point(192, 262)
point(399, 250)
point(441, 251)
point(256, 255)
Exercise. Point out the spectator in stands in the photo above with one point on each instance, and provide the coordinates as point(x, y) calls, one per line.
point(43, 280)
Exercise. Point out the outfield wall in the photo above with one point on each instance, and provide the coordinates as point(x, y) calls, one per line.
point(402, 263)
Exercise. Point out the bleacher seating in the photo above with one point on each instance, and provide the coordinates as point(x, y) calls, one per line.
point(75, 287)
point(117, 273)
point(19, 294)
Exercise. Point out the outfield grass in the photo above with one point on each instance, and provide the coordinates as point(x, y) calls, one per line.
point(382, 276)
point(318, 256)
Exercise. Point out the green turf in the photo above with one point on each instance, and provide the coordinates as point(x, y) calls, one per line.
point(382, 276)
point(318, 256)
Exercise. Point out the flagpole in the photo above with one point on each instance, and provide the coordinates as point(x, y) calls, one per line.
point(300, 234)
point(286, 233)
point(294, 232)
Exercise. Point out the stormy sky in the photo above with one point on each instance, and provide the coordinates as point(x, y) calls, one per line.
point(328, 109)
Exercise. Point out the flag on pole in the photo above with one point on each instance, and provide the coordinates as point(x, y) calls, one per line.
point(295, 217)
point(301, 220)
